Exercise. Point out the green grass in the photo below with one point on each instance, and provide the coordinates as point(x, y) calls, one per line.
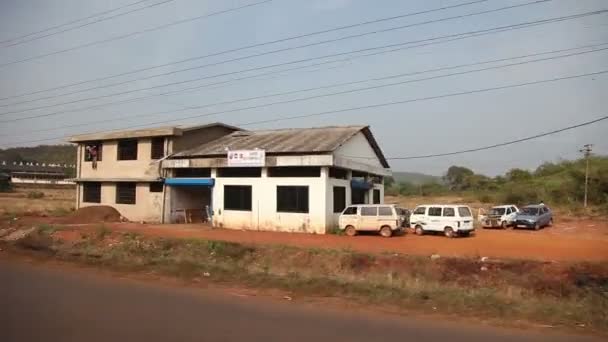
point(60, 212)
point(48, 229)
point(35, 194)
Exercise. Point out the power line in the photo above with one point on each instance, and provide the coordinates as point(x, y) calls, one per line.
point(488, 31)
point(90, 23)
point(248, 57)
point(352, 83)
point(377, 105)
point(289, 69)
point(178, 22)
point(243, 48)
point(72, 22)
point(586, 123)
point(425, 98)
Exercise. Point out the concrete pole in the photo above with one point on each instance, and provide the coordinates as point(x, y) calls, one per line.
point(586, 150)
point(586, 179)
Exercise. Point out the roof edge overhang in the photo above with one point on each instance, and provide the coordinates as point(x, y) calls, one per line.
point(144, 133)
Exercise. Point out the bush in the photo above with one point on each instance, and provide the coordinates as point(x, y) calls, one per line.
point(35, 194)
point(37, 242)
point(485, 198)
point(335, 231)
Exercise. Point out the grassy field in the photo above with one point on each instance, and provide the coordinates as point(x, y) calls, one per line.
point(24, 201)
point(567, 295)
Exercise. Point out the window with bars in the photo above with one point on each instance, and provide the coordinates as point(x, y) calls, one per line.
point(125, 193)
point(292, 199)
point(193, 172)
point(92, 151)
point(239, 172)
point(290, 171)
point(237, 197)
point(338, 173)
point(156, 187)
point(339, 199)
point(157, 150)
point(376, 196)
point(91, 192)
point(127, 149)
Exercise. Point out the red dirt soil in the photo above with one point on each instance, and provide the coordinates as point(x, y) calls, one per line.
point(92, 214)
point(581, 241)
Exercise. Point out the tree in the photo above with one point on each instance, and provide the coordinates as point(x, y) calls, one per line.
point(388, 182)
point(407, 189)
point(457, 177)
point(518, 175)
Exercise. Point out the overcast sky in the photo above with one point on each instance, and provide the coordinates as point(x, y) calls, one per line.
point(414, 128)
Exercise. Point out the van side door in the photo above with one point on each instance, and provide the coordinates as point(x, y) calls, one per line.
point(349, 217)
point(369, 218)
point(387, 217)
point(449, 218)
point(435, 219)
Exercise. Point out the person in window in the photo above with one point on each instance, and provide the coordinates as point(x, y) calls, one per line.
point(92, 150)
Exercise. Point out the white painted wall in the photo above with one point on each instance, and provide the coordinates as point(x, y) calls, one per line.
point(358, 146)
point(263, 215)
point(147, 207)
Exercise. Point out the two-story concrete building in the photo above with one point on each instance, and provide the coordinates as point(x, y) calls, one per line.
point(296, 180)
point(125, 171)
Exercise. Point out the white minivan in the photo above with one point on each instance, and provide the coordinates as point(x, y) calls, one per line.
point(501, 216)
point(382, 218)
point(451, 220)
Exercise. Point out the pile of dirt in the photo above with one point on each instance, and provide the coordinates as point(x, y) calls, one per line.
point(101, 213)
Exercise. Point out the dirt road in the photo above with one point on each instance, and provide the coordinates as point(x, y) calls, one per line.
point(581, 243)
point(51, 304)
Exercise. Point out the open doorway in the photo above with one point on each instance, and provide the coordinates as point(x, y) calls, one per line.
point(358, 196)
point(191, 204)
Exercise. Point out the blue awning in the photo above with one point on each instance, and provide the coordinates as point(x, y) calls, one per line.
point(360, 184)
point(190, 181)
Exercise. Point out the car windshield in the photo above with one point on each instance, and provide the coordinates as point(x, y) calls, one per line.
point(530, 211)
point(498, 211)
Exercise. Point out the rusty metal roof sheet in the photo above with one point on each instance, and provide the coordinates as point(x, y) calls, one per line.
point(285, 141)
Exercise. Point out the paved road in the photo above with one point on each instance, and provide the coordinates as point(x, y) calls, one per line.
point(50, 304)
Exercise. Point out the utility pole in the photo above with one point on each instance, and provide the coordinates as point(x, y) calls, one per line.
point(586, 150)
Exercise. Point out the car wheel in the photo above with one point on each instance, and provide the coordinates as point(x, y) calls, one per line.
point(504, 225)
point(350, 231)
point(449, 232)
point(536, 226)
point(386, 231)
point(419, 230)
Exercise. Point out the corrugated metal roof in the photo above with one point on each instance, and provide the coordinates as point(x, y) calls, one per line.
point(284, 141)
point(32, 168)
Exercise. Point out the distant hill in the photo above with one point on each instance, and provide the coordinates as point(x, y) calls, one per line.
point(55, 154)
point(415, 177)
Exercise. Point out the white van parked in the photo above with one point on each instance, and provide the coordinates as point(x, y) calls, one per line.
point(382, 218)
point(451, 220)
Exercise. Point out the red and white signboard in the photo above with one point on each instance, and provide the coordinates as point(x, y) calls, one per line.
point(243, 158)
